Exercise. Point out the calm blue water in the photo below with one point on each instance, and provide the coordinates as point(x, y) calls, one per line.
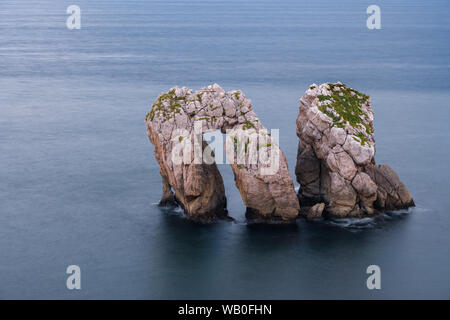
point(79, 182)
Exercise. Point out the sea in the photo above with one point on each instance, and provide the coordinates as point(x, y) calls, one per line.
point(79, 183)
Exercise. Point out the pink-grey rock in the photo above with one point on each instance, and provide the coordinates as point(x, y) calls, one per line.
point(314, 212)
point(336, 155)
point(198, 187)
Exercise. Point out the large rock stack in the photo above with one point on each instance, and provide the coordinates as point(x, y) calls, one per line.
point(198, 187)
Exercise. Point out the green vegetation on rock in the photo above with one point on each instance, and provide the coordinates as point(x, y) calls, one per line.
point(345, 106)
point(248, 125)
point(169, 111)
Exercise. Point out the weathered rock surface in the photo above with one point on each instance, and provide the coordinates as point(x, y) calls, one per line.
point(335, 161)
point(198, 186)
point(314, 212)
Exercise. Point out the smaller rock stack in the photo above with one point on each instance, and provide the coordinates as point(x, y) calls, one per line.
point(335, 161)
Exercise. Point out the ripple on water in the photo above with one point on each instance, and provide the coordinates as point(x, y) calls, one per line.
point(367, 222)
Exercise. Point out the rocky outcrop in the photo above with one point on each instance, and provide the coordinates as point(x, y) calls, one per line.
point(314, 212)
point(175, 126)
point(335, 161)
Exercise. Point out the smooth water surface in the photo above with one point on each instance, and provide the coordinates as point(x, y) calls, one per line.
point(79, 182)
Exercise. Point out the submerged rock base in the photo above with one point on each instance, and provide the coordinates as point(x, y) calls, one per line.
point(335, 163)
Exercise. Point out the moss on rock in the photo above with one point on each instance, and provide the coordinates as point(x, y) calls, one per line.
point(168, 111)
point(344, 107)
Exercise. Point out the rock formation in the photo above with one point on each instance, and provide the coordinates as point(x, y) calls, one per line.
point(268, 194)
point(335, 161)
